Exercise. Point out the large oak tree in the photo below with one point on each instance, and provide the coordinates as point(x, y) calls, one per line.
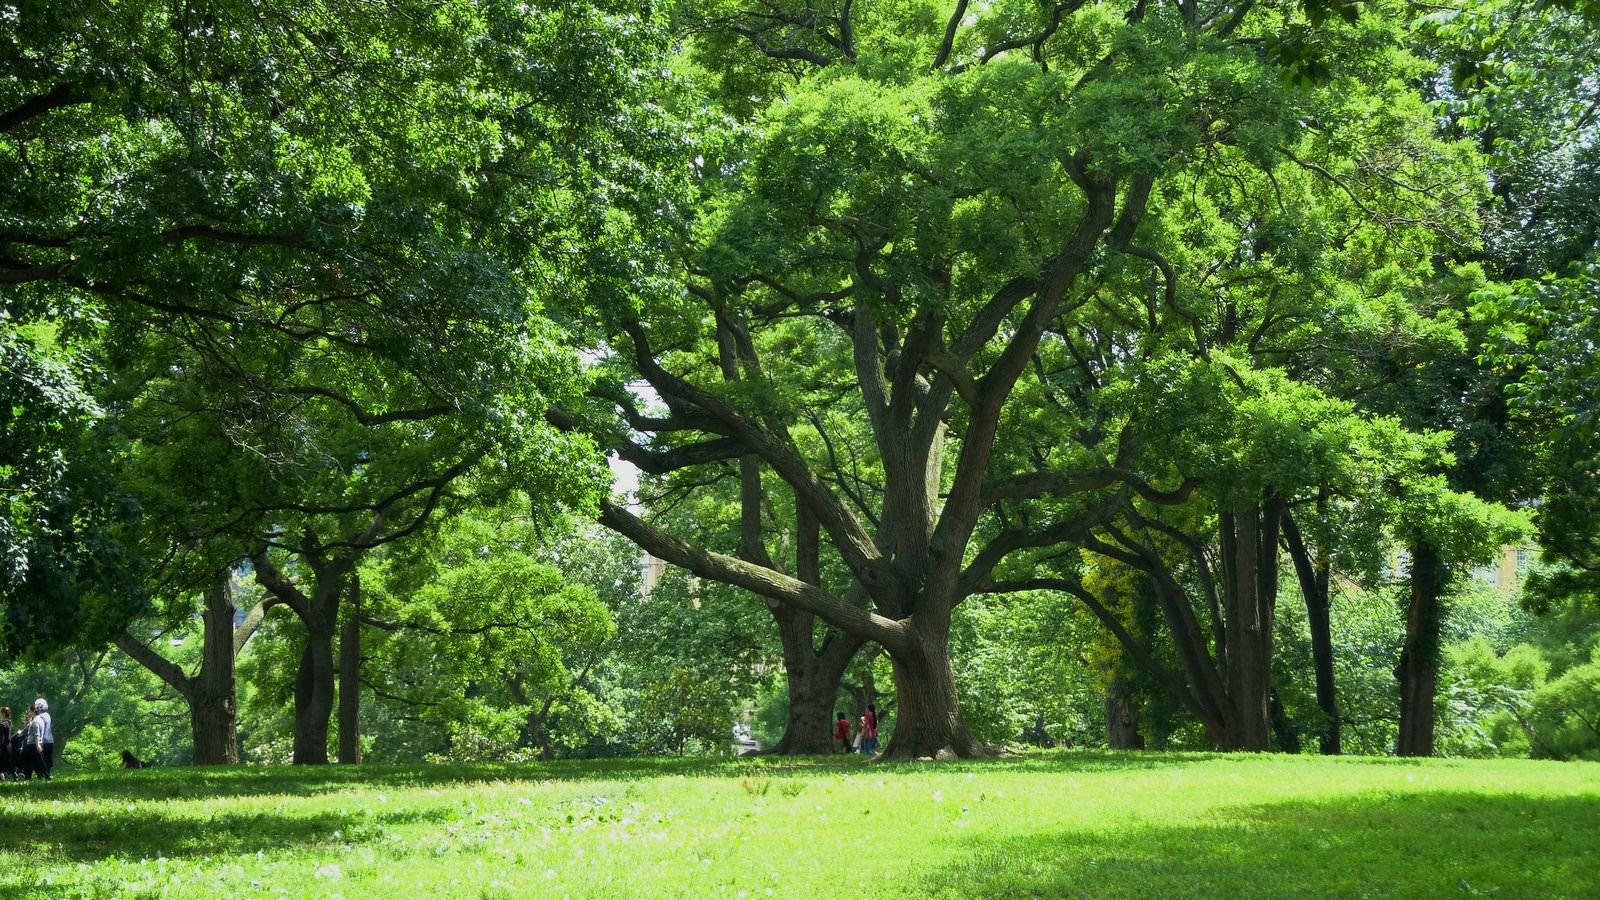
point(946, 262)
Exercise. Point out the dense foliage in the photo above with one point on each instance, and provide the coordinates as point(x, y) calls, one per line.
point(1101, 374)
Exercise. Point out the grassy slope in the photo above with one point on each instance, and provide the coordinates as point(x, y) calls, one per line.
point(1050, 825)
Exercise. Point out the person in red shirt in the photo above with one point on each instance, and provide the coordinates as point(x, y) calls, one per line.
point(841, 732)
point(869, 736)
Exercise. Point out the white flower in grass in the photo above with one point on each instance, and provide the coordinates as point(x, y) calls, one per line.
point(331, 870)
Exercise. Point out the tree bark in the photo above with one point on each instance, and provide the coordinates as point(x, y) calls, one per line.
point(213, 711)
point(313, 688)
point(1418, 670)
point(1249, 627)
point(813, 678)
point(808, 730)
point(211, 692)
point(1122, 716)
point(319, 613)
point(1314, 576)
point(929, 722)
point(812, 675)
point(350, 679)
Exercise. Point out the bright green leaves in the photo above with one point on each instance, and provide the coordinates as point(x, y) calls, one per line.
point(313, 254)
point(1545, 332)
point(1543, 336)
point(477, 633)
point(1464, 528)
point(1516, 74)
point(1244, 431)
point(60, 514)
point(1136, 113)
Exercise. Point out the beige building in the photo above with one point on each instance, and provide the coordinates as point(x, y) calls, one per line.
point(650, 569)
point(1508, 569)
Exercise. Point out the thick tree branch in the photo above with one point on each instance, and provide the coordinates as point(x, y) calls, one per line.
point(163, 668)
point(655, 462)
point(950, 29)
point(1077, 528)
point(987, 322)
point(768, 49)
point(269, 576)
point(68, 93)
point(854, 544)
point(759, 580)
point(19, 272)
point(1054, 484)
point(964, 504)
point(251, 623)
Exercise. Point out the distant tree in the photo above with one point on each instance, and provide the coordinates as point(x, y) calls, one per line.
point(1515, 78)
point(472, 617)
point(209, 690)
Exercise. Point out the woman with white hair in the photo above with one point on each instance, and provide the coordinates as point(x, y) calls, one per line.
point(41, 740)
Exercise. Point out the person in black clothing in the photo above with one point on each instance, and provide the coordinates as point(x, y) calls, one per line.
point(8, 765)
point(129, 761)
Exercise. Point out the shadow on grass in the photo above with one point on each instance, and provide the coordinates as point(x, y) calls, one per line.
point(94, 833)
point(203, 783)
point(1410, 845)
point(197, 783)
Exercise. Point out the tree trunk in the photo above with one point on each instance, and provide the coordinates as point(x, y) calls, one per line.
point(210, 691)
point(313, 699)
point(1315, 581)
point(1122, 716)
point(928, 722)
point(1248, 631)
point(808, 730)
point(1317, 615)
point(1418, 670)
point(319, 613)
point(350, 679)
point(1284, 730)
point(213, 710)
point(813, 693)
point(313, 688)
point(813, 681)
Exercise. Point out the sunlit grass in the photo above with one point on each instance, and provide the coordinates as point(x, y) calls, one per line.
point(1134, 825)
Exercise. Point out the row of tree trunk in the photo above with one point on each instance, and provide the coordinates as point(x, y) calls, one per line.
point(1229, 692)
point(1244, 648)
point(211, 691)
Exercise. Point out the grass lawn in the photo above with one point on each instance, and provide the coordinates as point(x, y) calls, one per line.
point(1049, 825)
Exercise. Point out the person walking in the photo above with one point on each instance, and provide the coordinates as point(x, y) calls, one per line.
point(841, 733)
point(869, 728)
point(43, 739)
